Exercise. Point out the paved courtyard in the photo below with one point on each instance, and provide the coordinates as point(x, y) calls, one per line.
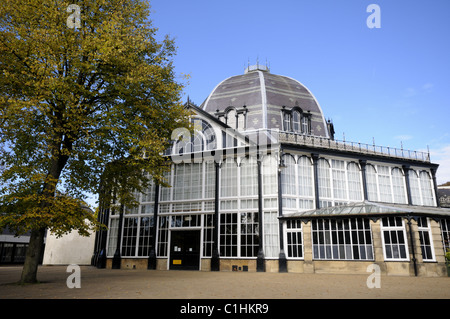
point(152, 284)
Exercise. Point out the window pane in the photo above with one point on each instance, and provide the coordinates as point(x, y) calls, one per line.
point(354, 182)
point(329, 238)
point(305, 178)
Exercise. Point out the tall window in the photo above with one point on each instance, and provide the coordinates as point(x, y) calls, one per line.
point(165, 192)
point(347, 239)
point(414, 187)
point(427, 189)
point(231, 118)
point(210, 179)
point(249, 177)
point(188, 181)
point(208, 231)
point(287, 122)
point(137, 227)
point(228, 179)
point(269, 175)
point(163, 235)
point(249, 234)
point(112, 236)
point(306, 125)
point(426, 243)
point(354, 182)
point(398, 186)
point(294, 241)
point(372, 185)
point(339, 180)
point(445, 232)
point(228, 234)
point(288, 176)
point(247, 227)
point(296, 121)
point(149, 193)
point(324, 180)
point(384, 184)
point(271, 242)
point(288, 182)
point(145, 235)
point(305, 183)
point(394, 238)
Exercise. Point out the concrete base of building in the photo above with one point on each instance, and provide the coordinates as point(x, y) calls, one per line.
point(431, 269)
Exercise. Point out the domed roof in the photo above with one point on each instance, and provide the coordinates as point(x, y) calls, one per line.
point(264, 96)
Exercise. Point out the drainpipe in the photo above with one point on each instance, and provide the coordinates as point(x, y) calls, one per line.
point(151, 264)
point(315, 158)
point(411, 237)
point(215, 258)
point(363, 164)
point(408, 186)
point(260, 265)
point(282, 262)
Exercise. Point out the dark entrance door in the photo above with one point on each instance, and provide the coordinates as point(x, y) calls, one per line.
point(185, 250)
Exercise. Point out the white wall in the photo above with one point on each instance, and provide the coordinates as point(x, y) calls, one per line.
point(68, 249)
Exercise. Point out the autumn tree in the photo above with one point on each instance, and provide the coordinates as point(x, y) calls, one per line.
point(82, 84)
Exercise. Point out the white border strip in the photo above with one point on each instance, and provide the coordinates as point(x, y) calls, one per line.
point(263, 98)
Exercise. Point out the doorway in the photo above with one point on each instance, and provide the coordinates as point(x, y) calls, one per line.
point(185, 250)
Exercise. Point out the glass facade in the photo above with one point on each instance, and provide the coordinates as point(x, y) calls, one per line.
point(248, 220)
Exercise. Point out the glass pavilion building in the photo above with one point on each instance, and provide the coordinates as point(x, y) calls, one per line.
point(263, 185)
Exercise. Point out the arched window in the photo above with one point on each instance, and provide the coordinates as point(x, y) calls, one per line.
point(339, 183)
point(296, 120)
point(398, 186)
point(288, 176)
point(249, 177)
point(187, 181)
point(305, 177)
point(306, 124)
point(427, 189)
point(197, 142)
point(324, 179)
point(228, 178)
point(305, 183)
point(384, 184)
point(231, 118)
point(269, 175)
point(286, 122)
point(414, 187)
point(354, 182)
point(202, 139)
point(210, 179)
point(372, 185)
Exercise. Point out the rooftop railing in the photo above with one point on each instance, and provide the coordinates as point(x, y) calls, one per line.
point(357, 147)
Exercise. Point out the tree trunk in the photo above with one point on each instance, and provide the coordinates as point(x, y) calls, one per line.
point(36, 245)
point(34, 251)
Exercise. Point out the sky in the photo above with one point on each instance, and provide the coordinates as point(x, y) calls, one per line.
point(388, 84)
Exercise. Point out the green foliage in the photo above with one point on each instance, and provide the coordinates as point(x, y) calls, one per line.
point(79, 103)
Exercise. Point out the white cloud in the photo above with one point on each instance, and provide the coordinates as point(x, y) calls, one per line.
point(441, 156)
point(427, 87)
point(403, 137)
point(409, 92)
